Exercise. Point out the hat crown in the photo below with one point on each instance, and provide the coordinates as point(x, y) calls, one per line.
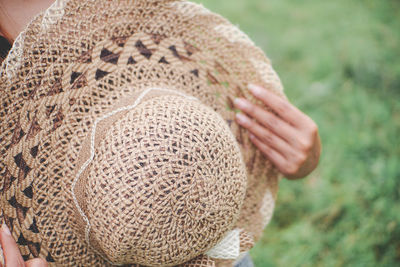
point(166, 183)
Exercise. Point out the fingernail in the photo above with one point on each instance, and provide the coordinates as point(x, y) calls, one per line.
point(242, 119)
point(255, 89)
point(5, 229)
point(251, 136)
point(240, 103)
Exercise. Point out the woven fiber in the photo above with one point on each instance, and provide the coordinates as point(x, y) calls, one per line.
point(118, 136)
point(169, 152)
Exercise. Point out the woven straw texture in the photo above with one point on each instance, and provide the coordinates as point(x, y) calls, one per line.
point(167, 152)
point(87, 61)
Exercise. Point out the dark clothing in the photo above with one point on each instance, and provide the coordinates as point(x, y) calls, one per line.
point(5, 47)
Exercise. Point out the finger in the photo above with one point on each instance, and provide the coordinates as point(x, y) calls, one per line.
point(277, 159)
point(36, 263)
point(266, 136)
point(284, 166)
point(267, 119)
point(12, 256)
point(303, 142)
point(281, 106)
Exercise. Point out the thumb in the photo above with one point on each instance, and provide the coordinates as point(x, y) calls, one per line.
point(36, 263)
point(12, 256)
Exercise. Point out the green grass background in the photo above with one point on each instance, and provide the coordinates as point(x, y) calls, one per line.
point(340, 63)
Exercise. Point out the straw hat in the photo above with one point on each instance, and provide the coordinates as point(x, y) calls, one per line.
point(118, 136)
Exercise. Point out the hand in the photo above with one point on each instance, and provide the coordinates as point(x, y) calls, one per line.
point(290, 139)
point(12, 256)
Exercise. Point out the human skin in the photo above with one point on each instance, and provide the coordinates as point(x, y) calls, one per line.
point(16, 14)
point(12, 256)
point(290, 140)
point(287, 137)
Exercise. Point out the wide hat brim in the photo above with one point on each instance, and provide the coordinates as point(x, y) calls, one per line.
point(68, 68)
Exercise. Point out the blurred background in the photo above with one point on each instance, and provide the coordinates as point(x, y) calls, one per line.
point(340, 63)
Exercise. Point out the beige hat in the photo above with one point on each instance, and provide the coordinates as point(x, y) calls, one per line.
point(118, 136)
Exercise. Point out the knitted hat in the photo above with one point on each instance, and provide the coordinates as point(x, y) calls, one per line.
point(118, 136)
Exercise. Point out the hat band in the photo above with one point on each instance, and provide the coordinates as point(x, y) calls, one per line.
point(228, 248)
